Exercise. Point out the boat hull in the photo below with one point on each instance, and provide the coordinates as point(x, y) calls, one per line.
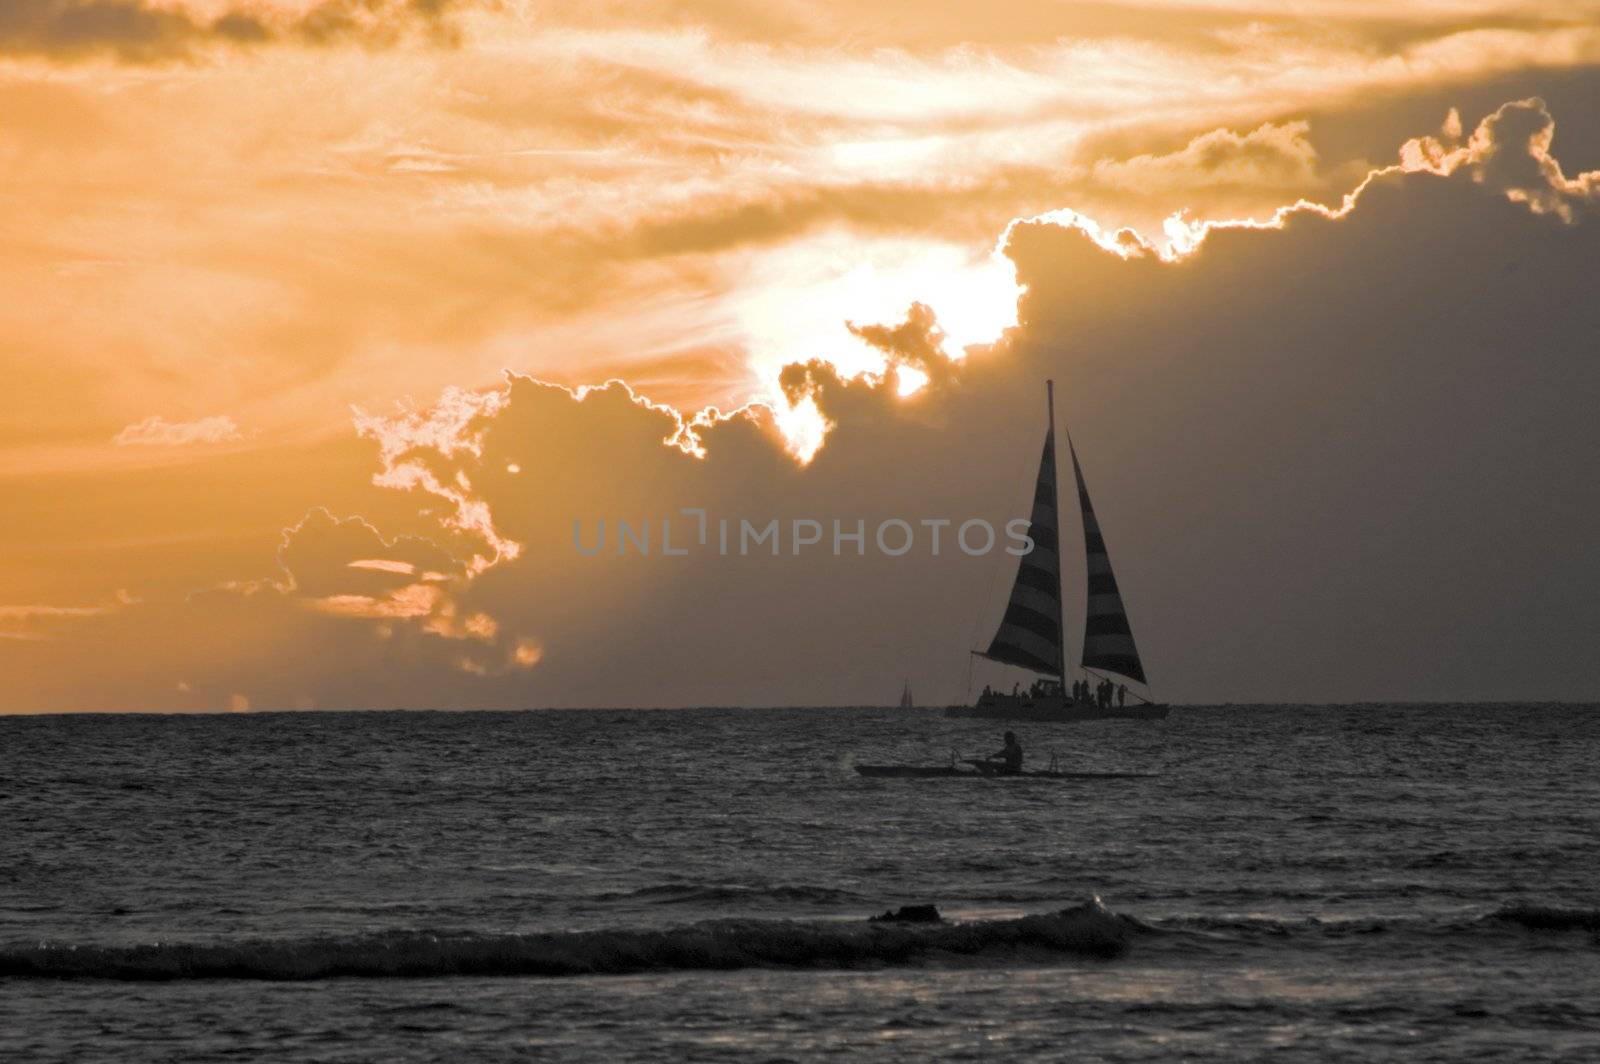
point(1054, 711)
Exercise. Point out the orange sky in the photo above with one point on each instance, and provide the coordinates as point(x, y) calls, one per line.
point(242, 237)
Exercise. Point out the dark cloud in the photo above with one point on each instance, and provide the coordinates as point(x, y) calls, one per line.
point(69, 28)
point(134, 31)
point(1341, 459)
point(918, 341)
point(1511, 152)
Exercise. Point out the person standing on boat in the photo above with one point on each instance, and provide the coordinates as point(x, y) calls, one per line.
point(1122, 694)
point(1009, 756)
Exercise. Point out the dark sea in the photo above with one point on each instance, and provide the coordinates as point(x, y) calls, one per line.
point(1365, 883)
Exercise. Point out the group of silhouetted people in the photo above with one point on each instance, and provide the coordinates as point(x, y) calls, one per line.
point(1102, 694)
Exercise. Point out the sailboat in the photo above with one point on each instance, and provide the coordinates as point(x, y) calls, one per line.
point(1030, 634)
point(905, 697)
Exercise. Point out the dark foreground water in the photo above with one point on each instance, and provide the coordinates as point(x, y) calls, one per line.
point(1361, 883)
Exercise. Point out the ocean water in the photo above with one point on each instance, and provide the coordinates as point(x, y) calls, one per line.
point(1296, 883)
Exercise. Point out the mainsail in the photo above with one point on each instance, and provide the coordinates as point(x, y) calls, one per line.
point(1030, 631)
point(1107, 639)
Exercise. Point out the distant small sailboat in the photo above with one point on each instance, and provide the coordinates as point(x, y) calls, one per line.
point(1031, 635)
point(906, 701)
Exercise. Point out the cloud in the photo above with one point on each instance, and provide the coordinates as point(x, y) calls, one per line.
point(383, 565)
point(1273, 156)
point(157, 431)
point(41, 622)
point(423, 450)
point(918, 340)
point(325, 556)
point(1510, 152)
point(135, 31)
point(126, 28)
point(329, 567)
point(14, 613)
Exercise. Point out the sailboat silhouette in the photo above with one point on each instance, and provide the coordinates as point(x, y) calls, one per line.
point(1030, 634)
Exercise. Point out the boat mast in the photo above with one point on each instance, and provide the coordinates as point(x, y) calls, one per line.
point(1055, 501)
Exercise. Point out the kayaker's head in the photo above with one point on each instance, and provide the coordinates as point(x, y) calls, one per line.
point(1011, 737)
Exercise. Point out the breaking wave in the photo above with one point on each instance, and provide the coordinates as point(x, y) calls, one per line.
point(720, 893)
point(1513, 916)
point(1088, 930)
point(1547, 917)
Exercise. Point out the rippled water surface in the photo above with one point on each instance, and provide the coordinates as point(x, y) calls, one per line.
point(1296, 882)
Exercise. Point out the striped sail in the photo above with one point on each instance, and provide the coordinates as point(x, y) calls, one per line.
point(1107, 639)
point(1030, 631)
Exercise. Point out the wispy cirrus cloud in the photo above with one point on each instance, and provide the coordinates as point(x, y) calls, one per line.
point(39, 622)
point(157, 431)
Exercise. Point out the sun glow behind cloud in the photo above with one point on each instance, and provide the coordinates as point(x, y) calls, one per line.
point(909, 381)
point(803, 426)
point(800, 298)
point(798, 301)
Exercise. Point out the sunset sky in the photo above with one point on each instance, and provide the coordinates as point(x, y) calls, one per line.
point(308, 310)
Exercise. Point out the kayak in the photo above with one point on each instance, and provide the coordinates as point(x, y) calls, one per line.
point(951, 771)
